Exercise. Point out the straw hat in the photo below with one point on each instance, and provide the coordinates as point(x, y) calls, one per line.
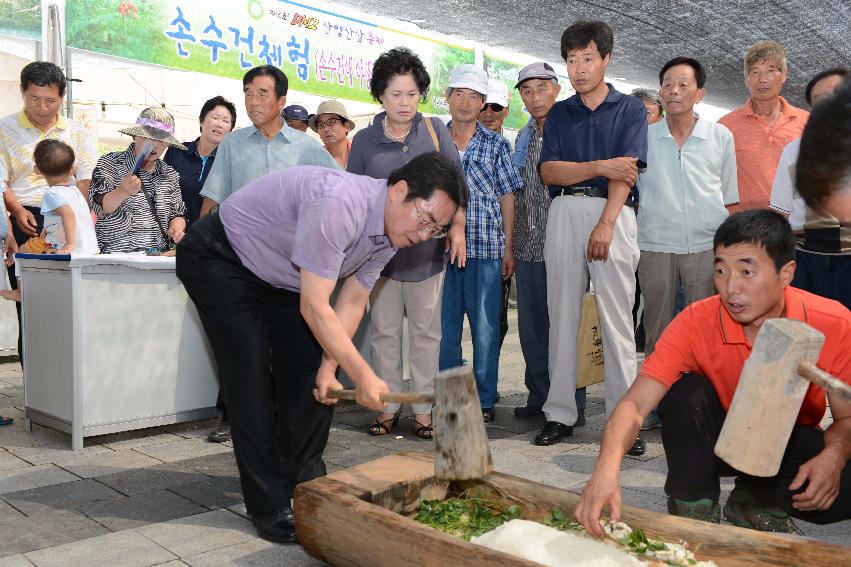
point(155, 123)
point(331, 107)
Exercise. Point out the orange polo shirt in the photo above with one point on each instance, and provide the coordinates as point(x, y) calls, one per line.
point(758, 149)
point(704, 339)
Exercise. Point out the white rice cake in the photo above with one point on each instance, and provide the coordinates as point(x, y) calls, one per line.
point(554, 548)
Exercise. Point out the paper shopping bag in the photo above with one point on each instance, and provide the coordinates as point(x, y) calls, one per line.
point(589, 344)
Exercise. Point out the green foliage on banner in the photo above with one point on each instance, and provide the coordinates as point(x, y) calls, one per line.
point(337, 63)
point(20, 18)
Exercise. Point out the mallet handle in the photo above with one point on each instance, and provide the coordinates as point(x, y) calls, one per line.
point(392, 397)
point(821, 378)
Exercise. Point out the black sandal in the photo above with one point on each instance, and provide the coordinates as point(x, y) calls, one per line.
point(382, 427)
point(423, 431)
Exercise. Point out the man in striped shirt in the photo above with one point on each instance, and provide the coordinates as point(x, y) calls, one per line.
point(539, 88)
point(475, 289)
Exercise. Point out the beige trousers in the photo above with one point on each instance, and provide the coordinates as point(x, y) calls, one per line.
point(660, 275)
point(390, 302)
point(571, 220)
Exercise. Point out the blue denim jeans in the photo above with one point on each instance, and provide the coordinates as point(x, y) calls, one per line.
point(475, 290)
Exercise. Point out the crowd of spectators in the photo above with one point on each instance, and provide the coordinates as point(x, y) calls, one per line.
point(559, 212)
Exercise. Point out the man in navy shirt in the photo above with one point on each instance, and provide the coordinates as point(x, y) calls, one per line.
point(594, 144)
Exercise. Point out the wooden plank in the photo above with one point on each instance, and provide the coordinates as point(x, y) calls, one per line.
point(352, 518)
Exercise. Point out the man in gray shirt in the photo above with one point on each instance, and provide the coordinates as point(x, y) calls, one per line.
point(261, 270)
point(248, 153)
point(267, 145)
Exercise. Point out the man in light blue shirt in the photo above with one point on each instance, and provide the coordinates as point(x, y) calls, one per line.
point(267, 145)
point(689, 180)
point(249, 153)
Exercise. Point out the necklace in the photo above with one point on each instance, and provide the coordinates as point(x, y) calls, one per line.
point(390, 134)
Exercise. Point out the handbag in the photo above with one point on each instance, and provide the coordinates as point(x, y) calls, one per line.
point(589, 344)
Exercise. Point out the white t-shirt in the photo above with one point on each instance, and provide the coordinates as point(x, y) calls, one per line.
point(60, 195)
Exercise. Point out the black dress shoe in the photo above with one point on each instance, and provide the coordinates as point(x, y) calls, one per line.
point(527, 411)
point(220, 433)
point(638, 448)
point(488, 415)
point(552, 433)
point(277, 527)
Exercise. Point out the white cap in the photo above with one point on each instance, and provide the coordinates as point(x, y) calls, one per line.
point(468, 76)
point(497, 92)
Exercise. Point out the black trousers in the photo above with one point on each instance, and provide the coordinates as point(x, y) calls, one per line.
point(279, 431)
point(692, 417)
point(20, 238)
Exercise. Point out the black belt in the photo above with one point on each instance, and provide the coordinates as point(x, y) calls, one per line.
point(563, 191)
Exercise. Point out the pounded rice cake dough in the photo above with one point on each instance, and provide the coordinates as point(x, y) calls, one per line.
point(554, 548)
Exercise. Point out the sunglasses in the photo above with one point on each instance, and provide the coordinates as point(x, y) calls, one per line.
point(493, 106)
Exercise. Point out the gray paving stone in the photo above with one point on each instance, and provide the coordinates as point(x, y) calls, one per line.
point(214, 492)
point(182, 449)
point(148, 479)
point(200, 533)
point(69, 495)
point(348, 457)
point(141, 509)
point(57, 452)
point(123, 549)
point(87, 466)
point(254, 553)
point(15, 561)
point(24, 478)
point(10, 461)
point(192, 429)
point(136, 438)
point(63, 526)
point(8, 512)
point(533, 469)
point(219, 464)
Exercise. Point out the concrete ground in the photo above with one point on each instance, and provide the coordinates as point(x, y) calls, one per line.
point(165, 496)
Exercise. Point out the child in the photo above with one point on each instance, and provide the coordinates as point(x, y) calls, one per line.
point(68, 223)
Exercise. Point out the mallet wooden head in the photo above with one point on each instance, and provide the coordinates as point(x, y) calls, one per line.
point(768, 397)
point(460, 441)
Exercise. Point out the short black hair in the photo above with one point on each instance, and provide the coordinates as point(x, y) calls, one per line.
point(398, 61)
point(53, 157)
point(429, 172)
point(761, 227)
point(823, 167)
point(213, 103)
point(699, 71)
point(43, 74)
point(281, 82)
point(808, 91)
point(581, 33)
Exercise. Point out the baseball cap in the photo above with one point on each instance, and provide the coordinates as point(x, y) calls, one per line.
point(468, 76)
point(296, 112)
point(536, 70)
point(497, 93)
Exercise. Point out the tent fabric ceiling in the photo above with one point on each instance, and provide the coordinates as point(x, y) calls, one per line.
point(816, 33)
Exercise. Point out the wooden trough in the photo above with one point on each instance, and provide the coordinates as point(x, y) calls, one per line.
point(362, 517)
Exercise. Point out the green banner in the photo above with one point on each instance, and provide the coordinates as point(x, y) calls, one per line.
point(20, 18)
point(321, 52)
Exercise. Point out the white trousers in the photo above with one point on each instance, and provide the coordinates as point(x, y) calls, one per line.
point(571, 220)
point(390, 302)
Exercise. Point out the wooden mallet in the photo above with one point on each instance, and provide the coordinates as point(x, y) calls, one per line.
point(768, 398)
point(460, 441)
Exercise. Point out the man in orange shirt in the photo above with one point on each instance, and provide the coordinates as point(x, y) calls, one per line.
point(694, 372)
point(763, 125)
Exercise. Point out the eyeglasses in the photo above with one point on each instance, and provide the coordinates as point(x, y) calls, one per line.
point(429, 227)
point(330, 122)
point(493, 106)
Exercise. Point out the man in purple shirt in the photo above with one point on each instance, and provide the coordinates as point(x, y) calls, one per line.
point(261, 271)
